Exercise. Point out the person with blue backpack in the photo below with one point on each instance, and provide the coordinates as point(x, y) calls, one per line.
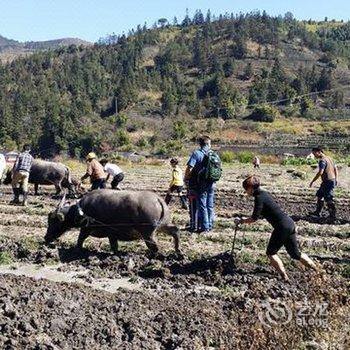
point(202, 172)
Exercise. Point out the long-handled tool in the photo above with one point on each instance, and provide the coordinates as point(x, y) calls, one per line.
point(233, 249)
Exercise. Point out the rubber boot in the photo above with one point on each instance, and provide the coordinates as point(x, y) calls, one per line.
point(332, 211)
point(25, 199)
point(16, 192)
point(319, 207)
point(183, 202)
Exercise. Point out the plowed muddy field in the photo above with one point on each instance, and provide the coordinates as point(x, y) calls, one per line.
point(59, 297)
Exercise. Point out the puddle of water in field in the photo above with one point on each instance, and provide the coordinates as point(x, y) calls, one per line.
point(52, 273)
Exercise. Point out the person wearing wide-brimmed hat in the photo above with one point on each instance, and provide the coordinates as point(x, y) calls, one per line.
point(95, 171)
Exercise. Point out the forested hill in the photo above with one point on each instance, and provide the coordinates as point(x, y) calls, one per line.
point(80, 98)
point(12, 49)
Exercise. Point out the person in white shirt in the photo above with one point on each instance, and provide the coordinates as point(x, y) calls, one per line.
point(256, 162)
point(2, 165)
point(113, 170)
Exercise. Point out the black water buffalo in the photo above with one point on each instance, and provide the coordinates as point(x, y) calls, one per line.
point(118, 215)
point(48, 173)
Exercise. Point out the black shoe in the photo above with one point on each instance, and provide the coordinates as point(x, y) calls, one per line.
point(203, 230)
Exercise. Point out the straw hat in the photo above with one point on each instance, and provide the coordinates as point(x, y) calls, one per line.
point(91, 155)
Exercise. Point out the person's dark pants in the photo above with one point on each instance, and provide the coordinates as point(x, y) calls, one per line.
point(182, 197)
point(116, 180)
point(326, 194)
point(326, 190)
point(205, 203)
point(284, 236)
point(192, 205)
point(96, 184)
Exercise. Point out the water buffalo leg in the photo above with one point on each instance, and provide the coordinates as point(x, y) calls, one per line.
point(82, 237)
point(151, 243)
point(36, 189)
point(58, 189)
point(113, 242)
point(173, 231)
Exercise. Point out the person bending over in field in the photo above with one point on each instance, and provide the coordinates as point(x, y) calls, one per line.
point(284, 233)
point(114, 171)
point(95, 172)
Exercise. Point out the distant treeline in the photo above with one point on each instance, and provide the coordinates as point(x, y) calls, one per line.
point(67, 99)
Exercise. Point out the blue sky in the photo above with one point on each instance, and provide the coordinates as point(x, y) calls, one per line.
point(26, 20)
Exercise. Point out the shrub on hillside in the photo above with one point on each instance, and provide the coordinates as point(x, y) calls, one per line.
point(244, 156)
point(227, 156)
point(123, 138)
point(298, 161)
point(180, 129)
point(269, 159)
point(120, 120)
point(142, 142)
point(306, 106)
point(170, 148)
point(264, 113)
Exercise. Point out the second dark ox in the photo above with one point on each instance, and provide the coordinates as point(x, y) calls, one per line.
point(48, 173)
point(118, 215)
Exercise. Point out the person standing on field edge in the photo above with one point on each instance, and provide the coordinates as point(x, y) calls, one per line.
point(256, 162)
point(115, 171)
point(20, 176)
point(201, 192)
point(176, 183)
point(2, 167)
point(95, 171)
point(329, 176)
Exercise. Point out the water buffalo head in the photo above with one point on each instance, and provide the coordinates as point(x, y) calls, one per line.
point(58, 221)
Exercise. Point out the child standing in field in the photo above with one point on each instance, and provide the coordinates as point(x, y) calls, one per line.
point(176, 184)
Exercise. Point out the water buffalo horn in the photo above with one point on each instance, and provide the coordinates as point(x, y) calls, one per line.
point(60, 216)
